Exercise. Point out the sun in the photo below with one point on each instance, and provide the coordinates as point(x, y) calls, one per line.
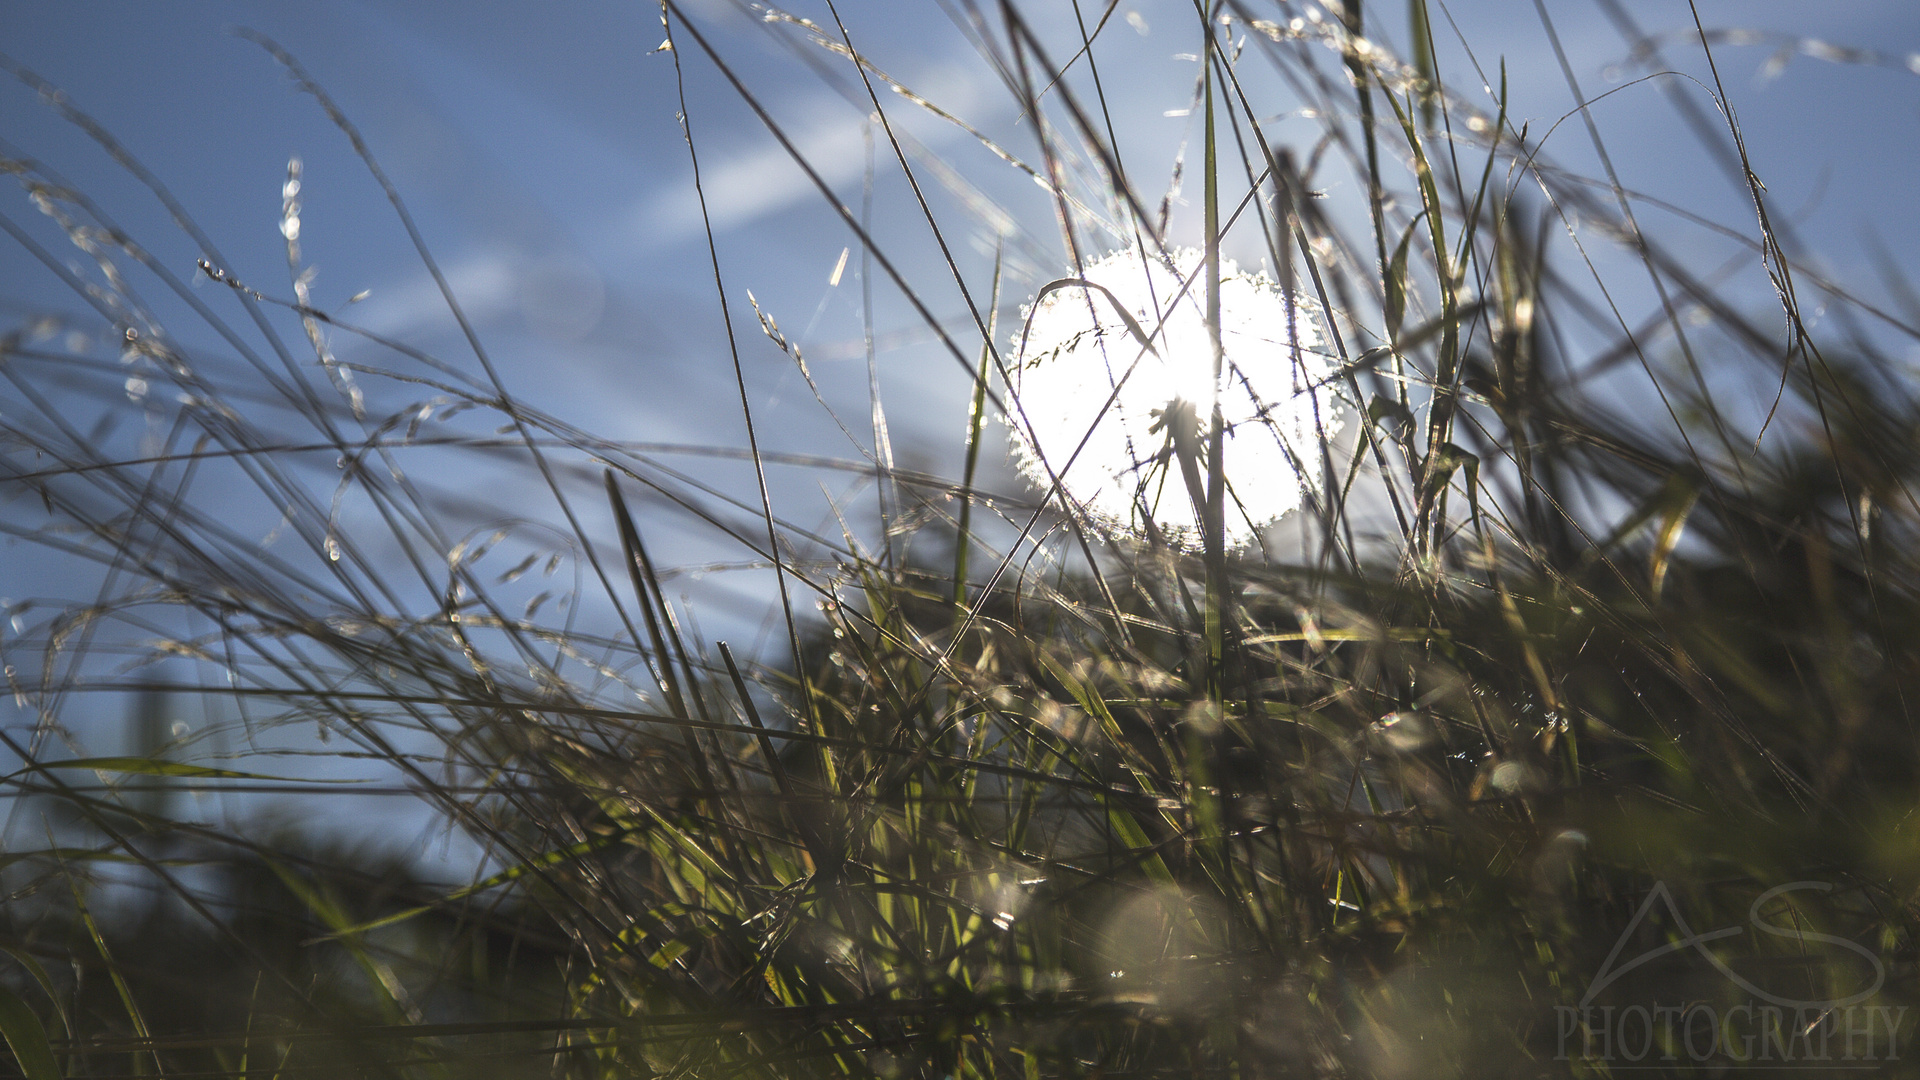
point(1274, 393)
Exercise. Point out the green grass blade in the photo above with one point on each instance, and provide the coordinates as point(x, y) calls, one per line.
point(27, 1038)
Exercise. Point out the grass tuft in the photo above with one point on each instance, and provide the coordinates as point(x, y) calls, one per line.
point(1569, 654)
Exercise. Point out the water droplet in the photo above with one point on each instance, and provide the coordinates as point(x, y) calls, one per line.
point(1510, 777)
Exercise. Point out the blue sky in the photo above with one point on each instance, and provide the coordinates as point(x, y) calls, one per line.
point(539, 149)
point(538, 144)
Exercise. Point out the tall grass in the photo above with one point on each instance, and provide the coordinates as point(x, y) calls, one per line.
point(1022, 794)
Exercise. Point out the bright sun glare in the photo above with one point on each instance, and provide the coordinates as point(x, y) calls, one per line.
point(1274, 397)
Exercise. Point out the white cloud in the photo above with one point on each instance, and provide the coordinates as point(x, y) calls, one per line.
point(746, 186)
point(750, 183)
point(483, 283)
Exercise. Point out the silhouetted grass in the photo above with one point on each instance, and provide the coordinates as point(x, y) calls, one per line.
point(1556, 633)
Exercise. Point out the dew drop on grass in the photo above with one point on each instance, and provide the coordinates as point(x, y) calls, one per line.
point(333, 548)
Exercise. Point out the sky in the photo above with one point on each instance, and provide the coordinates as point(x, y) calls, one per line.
point(540, 152)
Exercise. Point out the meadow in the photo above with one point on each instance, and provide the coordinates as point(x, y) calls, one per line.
point(1385, 603)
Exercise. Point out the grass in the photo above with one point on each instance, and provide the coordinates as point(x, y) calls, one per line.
point(1024, 794)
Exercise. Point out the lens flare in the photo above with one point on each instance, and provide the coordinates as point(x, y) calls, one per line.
point(1274, 393)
